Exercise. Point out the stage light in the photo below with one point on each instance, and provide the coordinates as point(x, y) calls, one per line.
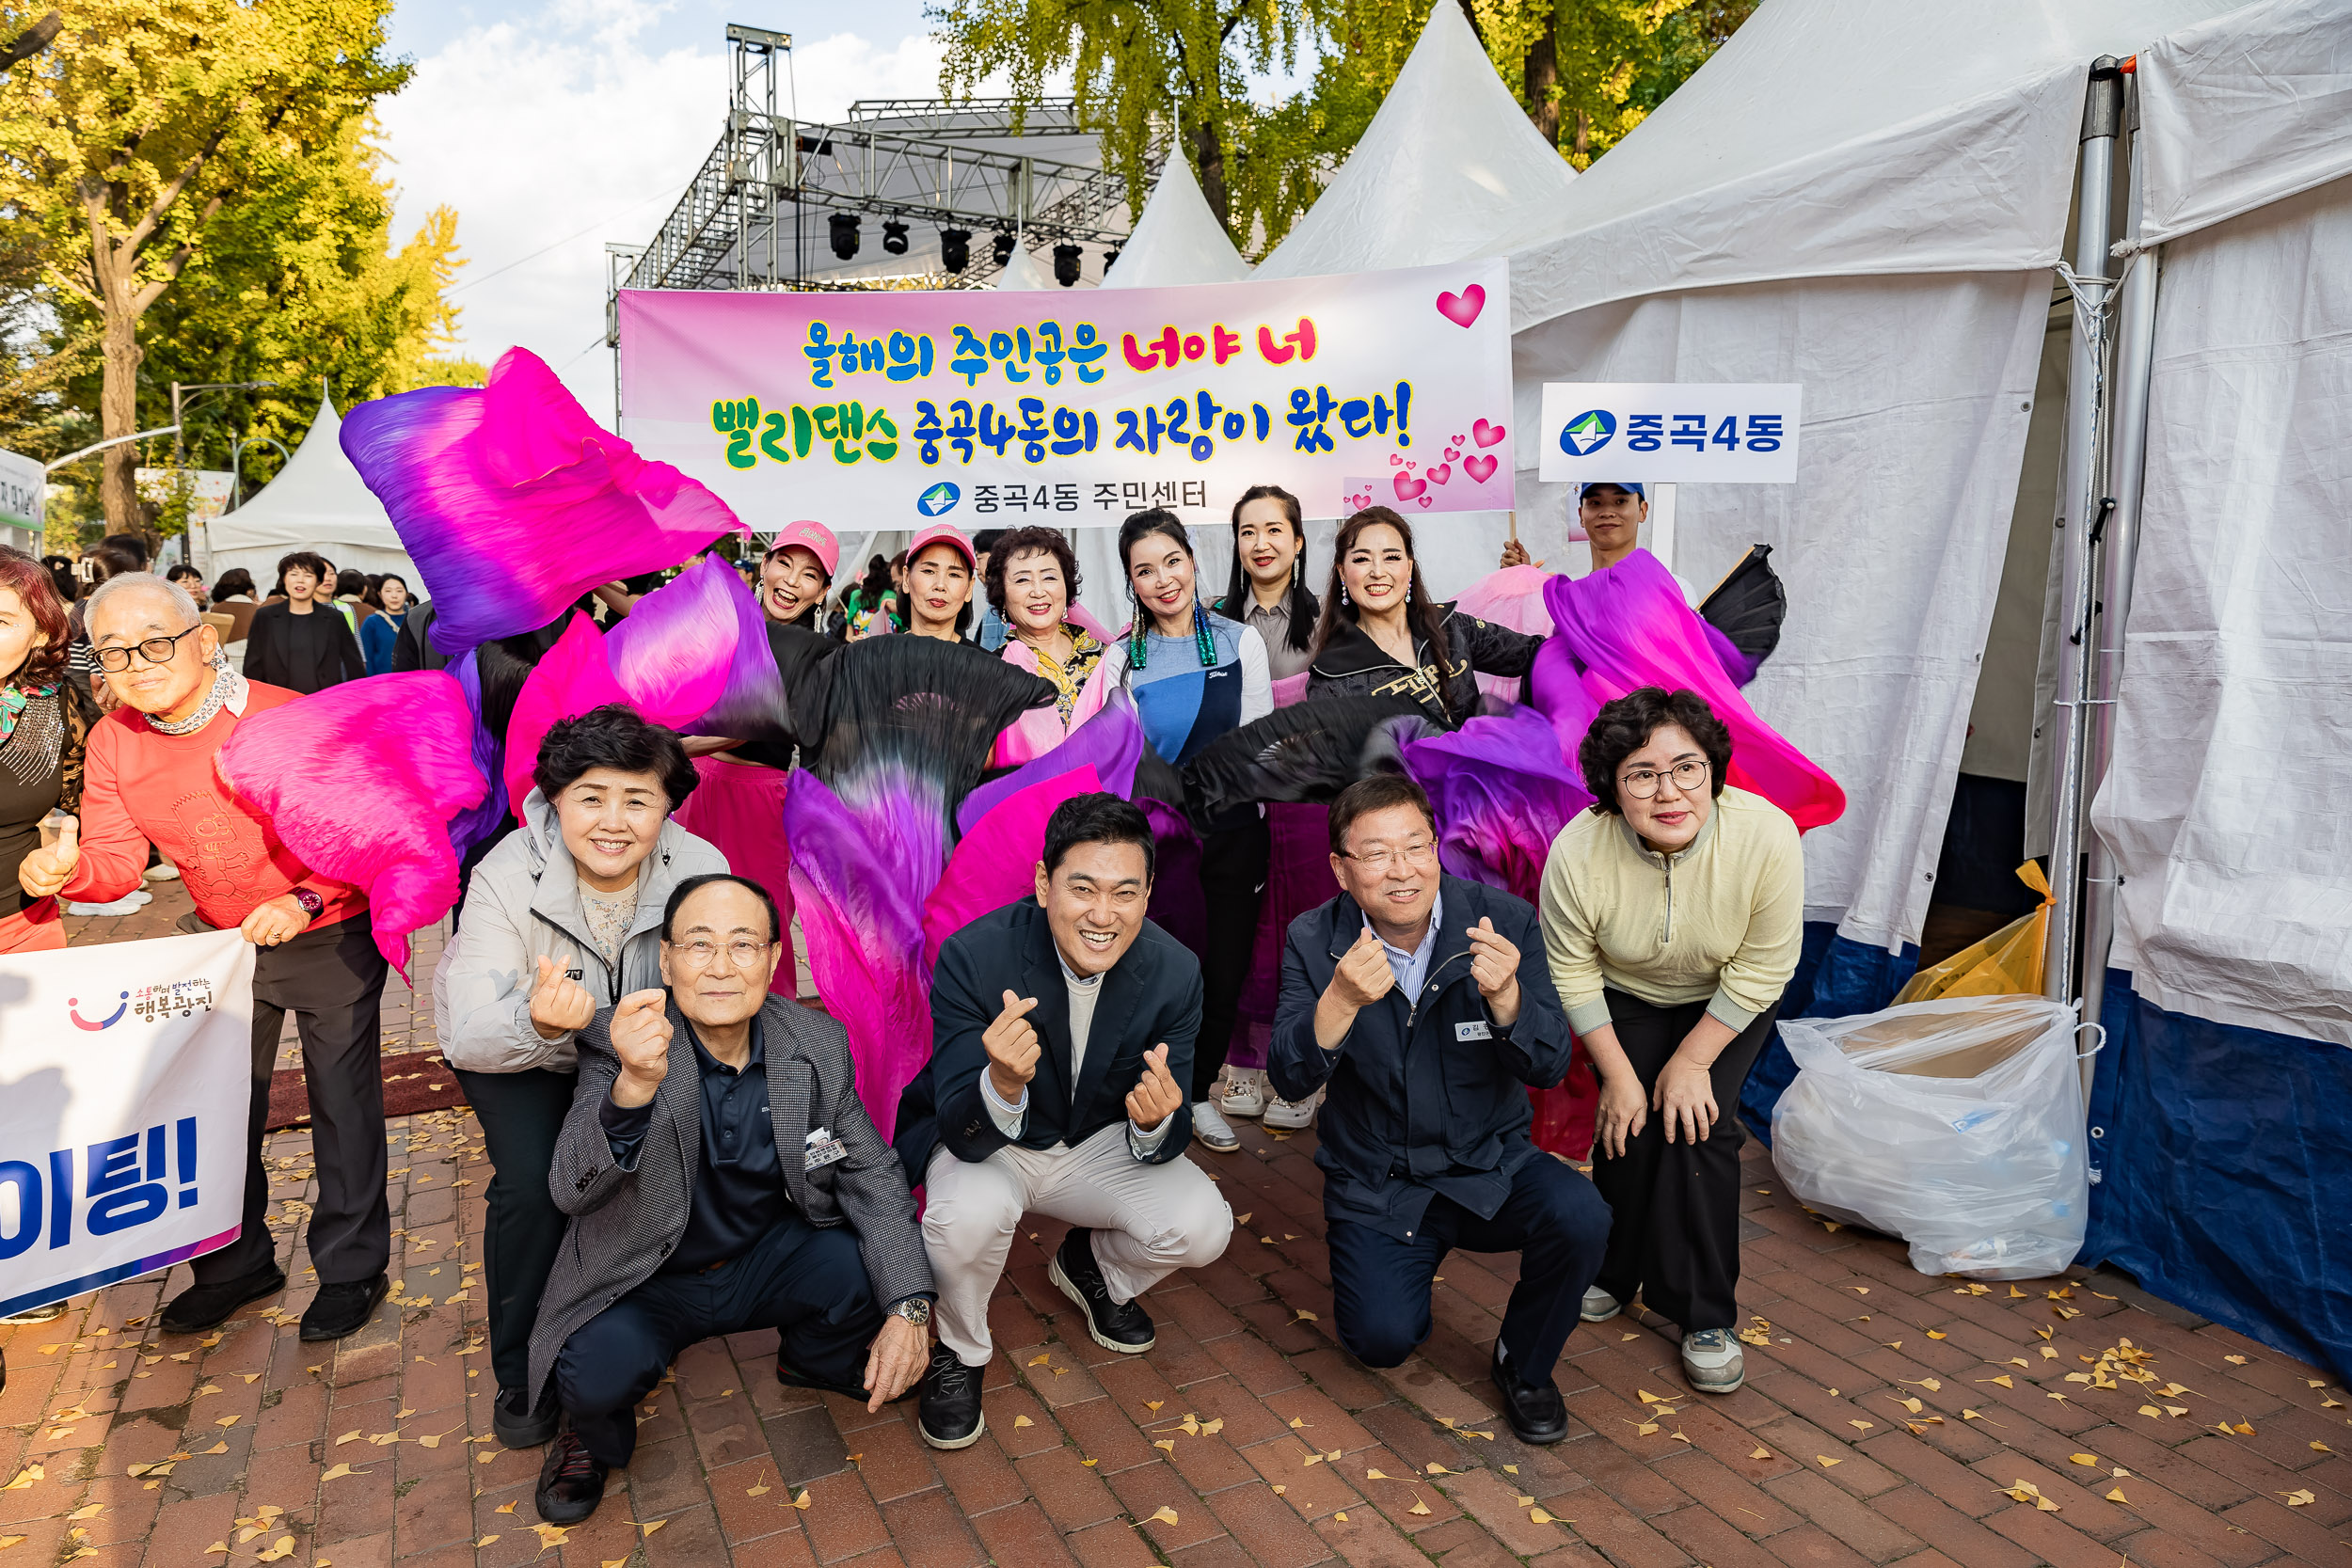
point(1066, 265)
point(955, 248)
point(1110, 259)
point(1004, 247)
point(845, 235)
point(894, 237)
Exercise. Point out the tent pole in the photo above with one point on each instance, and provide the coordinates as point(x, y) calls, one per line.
point(2079, 503)
point(2134, 357)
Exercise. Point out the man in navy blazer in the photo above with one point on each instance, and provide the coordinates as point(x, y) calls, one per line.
point(1062, 1037)
point(1426, 1004)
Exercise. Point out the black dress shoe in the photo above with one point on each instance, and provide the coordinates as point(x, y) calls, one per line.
point(949, 1413)
point(1535, 1411)
point(520, 1424)
point(1121, 1326)
point(571, 1482)
point(339, 1310)
point(203, 1306)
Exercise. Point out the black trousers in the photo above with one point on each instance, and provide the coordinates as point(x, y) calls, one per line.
point(331, 978)
point(1234, 862)
point(522, 1115)
point(1675, 1240)
point(1554, 1220)
point(809, 1284)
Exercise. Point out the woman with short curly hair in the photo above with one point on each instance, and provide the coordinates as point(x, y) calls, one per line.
point(1032, 582)
point(1673, 912)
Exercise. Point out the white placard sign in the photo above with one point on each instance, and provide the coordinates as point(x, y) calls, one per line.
point(126, 1079)
point(1670, 433)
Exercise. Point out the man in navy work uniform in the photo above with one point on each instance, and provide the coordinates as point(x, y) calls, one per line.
point(1062, 1033)
point(721, 1175)
point(1427, 1005)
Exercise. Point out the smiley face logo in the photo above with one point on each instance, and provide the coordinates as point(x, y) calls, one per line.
point(72, 1003)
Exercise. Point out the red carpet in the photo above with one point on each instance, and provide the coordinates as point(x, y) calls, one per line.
point(416, 1081)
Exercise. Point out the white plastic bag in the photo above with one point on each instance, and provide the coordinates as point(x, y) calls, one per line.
point(1955, 1124)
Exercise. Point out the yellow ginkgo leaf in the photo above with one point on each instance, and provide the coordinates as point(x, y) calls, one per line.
point(1279, 1490)
point(1419, 1507)
point(1862, 1426)
point(1305, 1316)
point(1375, 1475)
point(800, 1499)
point(279, 1550)
point(1826, 1460)
point(32, 1473)
point(1539, 1516)
point(1341, 1516)
point(1761, 1453)
point(1160, 1515)
point(1296, 1422)
point(1168, 1442)
point(1510, 1469)
point(1211, 1428)
point(2298, 1498)
point(1937, 1334)
point(551, 1535)
point(2116, 1495)
point(484, 1542)
point(1089, 1464)
point(2083, 1458)
point(2002, 1379)
point(1310, 1459)
point(1041, 1359)
point(1433, 1468)
point(341, 1470)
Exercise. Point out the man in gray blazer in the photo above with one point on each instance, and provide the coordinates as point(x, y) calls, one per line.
point(721, 1175)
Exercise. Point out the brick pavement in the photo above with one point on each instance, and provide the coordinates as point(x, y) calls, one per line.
point(1889, 1419)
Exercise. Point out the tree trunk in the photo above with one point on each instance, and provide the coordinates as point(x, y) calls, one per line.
point(1209, 152)
point(1542, 81)
point(1470, 16)
point(119, 393)
point(1584, 136)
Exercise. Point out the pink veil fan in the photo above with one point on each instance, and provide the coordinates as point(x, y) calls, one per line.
point(361, 780)
point(571, 680)
point(513, 502)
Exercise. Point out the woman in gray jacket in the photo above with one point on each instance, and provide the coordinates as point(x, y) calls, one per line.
point(561, 918)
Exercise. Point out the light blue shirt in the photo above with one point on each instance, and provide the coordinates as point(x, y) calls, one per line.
point(1412, 967)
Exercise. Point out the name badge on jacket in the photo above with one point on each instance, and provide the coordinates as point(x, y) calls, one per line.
point(823, 1150)
point(1474, 1030)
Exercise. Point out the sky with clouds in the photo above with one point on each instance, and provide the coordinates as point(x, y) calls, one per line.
point(553, 126)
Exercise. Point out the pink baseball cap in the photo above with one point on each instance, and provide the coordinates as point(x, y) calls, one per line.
point(814, 537)
point(945, 533)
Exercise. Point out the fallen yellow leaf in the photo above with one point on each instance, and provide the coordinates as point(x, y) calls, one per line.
point(1168, 1442)
point(2083, 1458)
point(1862, 1426)
point(1305, 1316)
point(1433, 1468)
point(32, 1473)
point(1827, 1461)
point(1341, 1516)
point(2002, 1379)
point(1761, 1453)
point(1375, 1475)
point(484, 1542)
point(1419, 1507)
point(2117, 1496)
point(2298, 1498)
point(1510, 1469)
point(1154, 1404)
point(1160, 1515)
point(551, 1535)
point(800, 1499)
point(1041, 1359)
point(1937, 1334)
point(2237, 1361)
point(1538, 1517)
point(1023, 1421)
point(504, 1508)
point(341, 1470)
point(1279, 1490)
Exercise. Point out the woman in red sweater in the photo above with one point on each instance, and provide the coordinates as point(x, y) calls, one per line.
point(150, 779)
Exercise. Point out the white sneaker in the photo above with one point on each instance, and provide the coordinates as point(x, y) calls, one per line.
point(1712, 1361)
point(166, 872)
point(124, 904)
point(1211, 1129)
point(1288, 1116)
point(1599, 1306)
point(1244, 1093)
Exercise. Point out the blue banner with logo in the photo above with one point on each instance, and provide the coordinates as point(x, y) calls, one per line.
point(125, 1084)
point(1670, 433)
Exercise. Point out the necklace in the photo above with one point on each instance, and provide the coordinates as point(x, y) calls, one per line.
point(228, 691)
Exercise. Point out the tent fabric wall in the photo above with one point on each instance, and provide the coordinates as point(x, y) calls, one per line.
point(1919, 392)
point(2225, 803)
point(2244, 110)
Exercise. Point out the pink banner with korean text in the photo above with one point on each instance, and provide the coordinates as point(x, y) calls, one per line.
point(984, 408)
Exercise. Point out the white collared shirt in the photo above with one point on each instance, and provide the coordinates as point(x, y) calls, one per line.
point(1083, 991)
point(1412, 967)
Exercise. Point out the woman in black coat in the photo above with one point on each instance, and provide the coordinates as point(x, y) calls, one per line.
point(302, 642)
point(1382, 635)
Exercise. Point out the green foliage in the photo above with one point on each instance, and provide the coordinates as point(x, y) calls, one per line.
point(1587, 71)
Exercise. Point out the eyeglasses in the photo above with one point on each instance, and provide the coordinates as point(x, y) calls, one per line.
point(1642, 783)
point(742, 954)
point(1411, 854)
point(155, 650)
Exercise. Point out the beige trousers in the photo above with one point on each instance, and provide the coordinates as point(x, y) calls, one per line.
point(1149, 1221)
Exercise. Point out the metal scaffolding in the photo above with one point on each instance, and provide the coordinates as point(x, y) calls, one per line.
point(762, 210)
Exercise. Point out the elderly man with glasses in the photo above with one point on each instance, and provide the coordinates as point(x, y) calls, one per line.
point(1424, 1003)
point(722, 1178)
point(151, 780)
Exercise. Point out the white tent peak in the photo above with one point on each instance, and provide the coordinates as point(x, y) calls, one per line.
point(318, 502)
point(1021, 271)
point(1177, 240)
point(1448, 168)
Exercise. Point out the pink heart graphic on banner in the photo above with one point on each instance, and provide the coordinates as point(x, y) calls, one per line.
point(1480, 468)
point(1462, 309)
point(1407, 487)
point(1453, 452)
point(1459, 439)
point(1359, 502)
point(1424, 500)
point(1488, 434)
point(1395, 459)
point(1439, 474)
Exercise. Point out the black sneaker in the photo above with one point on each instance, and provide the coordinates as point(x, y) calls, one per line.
point(571, 1482)
point(203, 1306)
point(1535, 1411)
point(518, 1423)
point(339, 1310)
point(949, 1413)
point(1123, 1327)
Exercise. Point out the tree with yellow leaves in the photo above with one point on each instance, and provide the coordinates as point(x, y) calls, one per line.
point(134, 144)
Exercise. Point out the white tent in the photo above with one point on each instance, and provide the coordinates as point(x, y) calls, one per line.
point(1021, 271)
point(1448, 168)
point(318, 502)
point(1868, 199)
point(1177, 240)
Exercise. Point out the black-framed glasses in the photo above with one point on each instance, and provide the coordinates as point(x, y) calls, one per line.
point(1689, 775)
point(1411, 854)
point(155, 650)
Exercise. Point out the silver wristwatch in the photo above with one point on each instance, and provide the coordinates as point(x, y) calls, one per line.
point(914, 1309)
